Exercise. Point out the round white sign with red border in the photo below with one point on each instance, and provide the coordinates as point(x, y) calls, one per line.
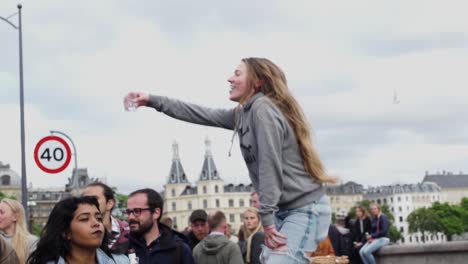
point(52, 154)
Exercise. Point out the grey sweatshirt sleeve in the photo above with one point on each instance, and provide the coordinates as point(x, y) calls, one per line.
point(224, 118)
point(269, 133)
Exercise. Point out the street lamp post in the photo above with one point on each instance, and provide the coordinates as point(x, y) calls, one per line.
point(24, 190)
point(74, 150)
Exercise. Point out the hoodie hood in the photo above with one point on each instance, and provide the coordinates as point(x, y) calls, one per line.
point(212, 244)
point(342, 230)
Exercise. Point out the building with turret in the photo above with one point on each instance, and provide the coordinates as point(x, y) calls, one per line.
point(209, 192)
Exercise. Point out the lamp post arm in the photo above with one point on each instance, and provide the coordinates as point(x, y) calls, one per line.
point(71, 141)
point(9, 22)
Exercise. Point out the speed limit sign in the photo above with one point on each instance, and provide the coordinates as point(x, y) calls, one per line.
point(52, 154)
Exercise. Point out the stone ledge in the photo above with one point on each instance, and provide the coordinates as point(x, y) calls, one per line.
point(448, 252)
point(453, 246)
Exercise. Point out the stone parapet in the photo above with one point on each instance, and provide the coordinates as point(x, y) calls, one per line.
point(436, 253)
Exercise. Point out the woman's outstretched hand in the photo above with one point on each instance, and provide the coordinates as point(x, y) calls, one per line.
point(136, 99)
point(273, 238)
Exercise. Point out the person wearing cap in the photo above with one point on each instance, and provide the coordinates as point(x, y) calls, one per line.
point(216, 248)
point(199, 228)
point(340, 236)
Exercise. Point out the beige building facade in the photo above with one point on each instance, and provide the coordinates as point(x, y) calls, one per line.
point(343, 197)
point(454, 187)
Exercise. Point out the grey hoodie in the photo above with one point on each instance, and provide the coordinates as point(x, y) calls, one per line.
point(217, 249)
point(268, 145)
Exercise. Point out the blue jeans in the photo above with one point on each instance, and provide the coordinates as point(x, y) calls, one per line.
point(368, 248)
point(304, 228)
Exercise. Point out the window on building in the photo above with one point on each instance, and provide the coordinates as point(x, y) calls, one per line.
point(174, 222)
point(402, 230)
point(392, 209)
point(407, 208)
point(231, 203)
point(204, 189)
point(385, 200)
point(189, 205)
point(241, 203)
point(399, 198)
point(402, 240)
point(6, 180)
point(410, 239)
point(216, 189)
point(232, 218)
point(378, 201)
point(399, 209)
point(391, 199)
point(205, 204)
point(416, 238)
point(401, 219)
point(174, 206)
point(173, 192)
point(217, 203)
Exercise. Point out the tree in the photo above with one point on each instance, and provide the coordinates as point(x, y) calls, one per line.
point(423, 220)
point(120, 204)
point(3, 196)
point(441, 217)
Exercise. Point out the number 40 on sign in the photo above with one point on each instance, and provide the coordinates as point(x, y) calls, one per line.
point(52, 154)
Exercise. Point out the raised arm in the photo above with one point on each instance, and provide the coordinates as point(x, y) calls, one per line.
point(224, 118)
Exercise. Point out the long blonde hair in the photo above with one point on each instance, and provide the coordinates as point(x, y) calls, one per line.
point(248, 234)
point(274, 85)
point(19, 241)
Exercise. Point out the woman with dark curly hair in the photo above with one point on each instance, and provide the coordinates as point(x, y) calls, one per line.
point(74, 233)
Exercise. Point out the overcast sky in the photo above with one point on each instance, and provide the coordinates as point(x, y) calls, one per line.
point(344, 60)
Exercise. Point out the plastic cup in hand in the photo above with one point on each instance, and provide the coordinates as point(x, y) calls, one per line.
point(130, 103)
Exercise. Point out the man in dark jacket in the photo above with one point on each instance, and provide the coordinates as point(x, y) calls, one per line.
point(198, 227)
point(153, 242)
point(216, 247)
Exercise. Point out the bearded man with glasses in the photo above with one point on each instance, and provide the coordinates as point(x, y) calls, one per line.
point(153, 242)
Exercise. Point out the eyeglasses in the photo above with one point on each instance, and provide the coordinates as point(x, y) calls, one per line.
point(135, 211)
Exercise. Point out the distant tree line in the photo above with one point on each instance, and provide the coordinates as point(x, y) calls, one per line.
point(440, 218)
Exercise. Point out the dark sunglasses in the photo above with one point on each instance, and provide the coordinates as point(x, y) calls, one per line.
point(135, 211)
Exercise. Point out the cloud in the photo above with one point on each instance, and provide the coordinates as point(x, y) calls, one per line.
point(343, 61)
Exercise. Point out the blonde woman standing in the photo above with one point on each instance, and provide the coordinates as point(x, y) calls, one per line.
point(253, 235)
point(13, 229)
point(275, 142)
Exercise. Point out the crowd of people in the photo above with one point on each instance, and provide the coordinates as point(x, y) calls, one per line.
point(357, 238)
point(291, 213)
point(83, 230)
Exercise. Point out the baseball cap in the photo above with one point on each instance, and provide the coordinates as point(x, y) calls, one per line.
point(341, 213)
point(198, 215)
